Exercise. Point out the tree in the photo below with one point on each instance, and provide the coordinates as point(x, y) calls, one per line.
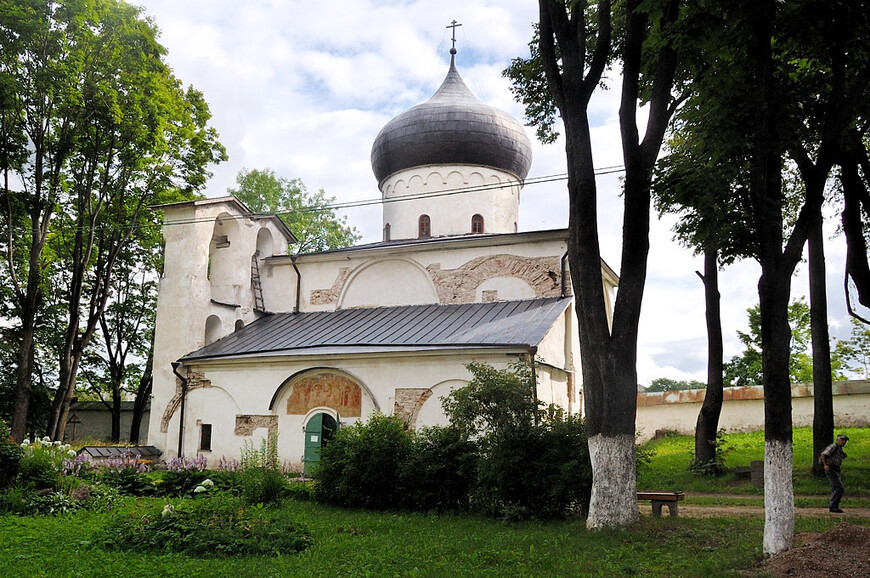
point(796, 68)
point(666, 384)
point(692, 183)
point(102, 130)
point(746, 369)
point(576, 42)
point(118, 363)
point(309, 215)
point(853, 354)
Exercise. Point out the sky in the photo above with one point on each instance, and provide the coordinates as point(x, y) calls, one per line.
point(303, 88)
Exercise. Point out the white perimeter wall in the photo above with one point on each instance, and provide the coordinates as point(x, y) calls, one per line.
point(743, 408)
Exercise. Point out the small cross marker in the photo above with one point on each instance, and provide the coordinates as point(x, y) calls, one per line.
point(454, 26)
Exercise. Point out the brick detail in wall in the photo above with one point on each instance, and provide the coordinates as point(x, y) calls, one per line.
point(246, 424)
point(330, 296)
point(195, 380)
point(409, 401)
point(460, 285)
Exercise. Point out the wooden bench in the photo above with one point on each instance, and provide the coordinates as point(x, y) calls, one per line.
point(660, 499)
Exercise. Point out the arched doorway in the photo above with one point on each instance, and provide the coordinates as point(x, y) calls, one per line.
point(318, 431)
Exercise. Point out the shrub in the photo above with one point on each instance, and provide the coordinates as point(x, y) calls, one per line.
point(129, 481)
point(261, 478)
point(182, 476)
point(362, 465)
point(538, 471)
point(41, 465)
point(441, 470)
point(10, 457)
point(532, 463)
point(216, 526)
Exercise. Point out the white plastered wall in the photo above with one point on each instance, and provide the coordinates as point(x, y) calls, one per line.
point(190, 293)
point(248, 387)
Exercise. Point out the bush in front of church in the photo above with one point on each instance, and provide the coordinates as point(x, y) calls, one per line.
point(540, 471)
point(362, 465)
point(383, 464)
point(502, 455)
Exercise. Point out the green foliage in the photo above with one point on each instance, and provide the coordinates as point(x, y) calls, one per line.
point(535, 471)
point(493, 400)
point(41, 465)
point(362, 465)
point(180, 483)
point(667, 384)
point(745, 369)
point(308, 215)
point(10, 457)
point(441, 470)
point(853, 354)
point(529, 87)
point(716, 467)
point(671, 466)
point(500, 456)
point(216, 526)
point(260, 477)
point(359, 542)
point(96, 130)
point(130, 481)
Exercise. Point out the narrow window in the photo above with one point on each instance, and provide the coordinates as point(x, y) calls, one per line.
point(477, 224)
point(205, 437)
point(387, 232)
point(425, 226)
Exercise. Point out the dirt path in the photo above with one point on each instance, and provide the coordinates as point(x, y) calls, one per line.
point(690, 511)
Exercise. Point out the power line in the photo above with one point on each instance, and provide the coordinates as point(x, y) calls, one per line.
point(375, 201)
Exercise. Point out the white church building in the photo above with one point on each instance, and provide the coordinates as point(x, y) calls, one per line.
point(251, 340)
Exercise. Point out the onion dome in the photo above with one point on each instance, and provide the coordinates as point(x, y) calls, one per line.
point(452, 128)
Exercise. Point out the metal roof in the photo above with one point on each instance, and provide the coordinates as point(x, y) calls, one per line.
point(403, 328)
point(452, 127)
point(121, 451)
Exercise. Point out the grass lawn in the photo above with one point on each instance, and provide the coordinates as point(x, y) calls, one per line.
point(669, 468)
point(358, 543)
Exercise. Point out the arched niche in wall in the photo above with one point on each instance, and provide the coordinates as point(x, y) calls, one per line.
point(431, 412)
point(239, 324)
point(223, 269)
point(388, 282)
point(322, 388)
point(212, 329)
point(264, 243)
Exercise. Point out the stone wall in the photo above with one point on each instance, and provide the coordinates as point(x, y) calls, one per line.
point(743, 408)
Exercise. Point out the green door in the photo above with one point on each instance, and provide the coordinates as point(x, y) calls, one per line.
point(320, 429)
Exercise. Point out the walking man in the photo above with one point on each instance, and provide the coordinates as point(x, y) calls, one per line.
point(832, 457)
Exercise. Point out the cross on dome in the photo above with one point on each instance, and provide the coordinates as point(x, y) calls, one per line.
point(454, 25)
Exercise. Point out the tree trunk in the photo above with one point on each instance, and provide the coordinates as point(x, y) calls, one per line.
point(143, 395)
point(116, 415)
point(823, 398)
point(774, 291)
point(707, 425)
point(23, 383)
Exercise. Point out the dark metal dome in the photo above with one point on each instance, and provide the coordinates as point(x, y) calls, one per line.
point(452, 127)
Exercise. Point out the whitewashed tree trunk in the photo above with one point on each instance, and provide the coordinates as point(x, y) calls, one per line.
point(614, 486)
point(778, 497)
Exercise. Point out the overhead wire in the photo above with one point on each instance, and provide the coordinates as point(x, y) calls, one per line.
point(376, 201)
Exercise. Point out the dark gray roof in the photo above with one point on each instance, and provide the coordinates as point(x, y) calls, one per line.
point(99, 406)
point(452, 127)
point(121, 451)
point(405, 328)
